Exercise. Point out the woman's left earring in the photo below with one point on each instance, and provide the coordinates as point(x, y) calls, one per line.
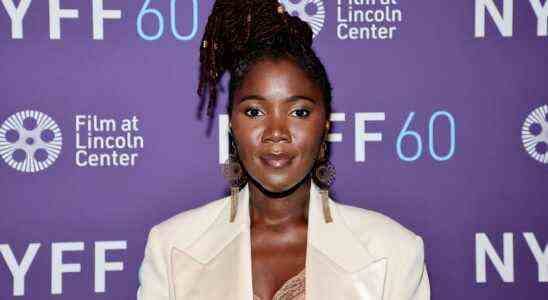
point(325, 175)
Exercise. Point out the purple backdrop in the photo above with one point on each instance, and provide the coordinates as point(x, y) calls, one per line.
point(435, 97)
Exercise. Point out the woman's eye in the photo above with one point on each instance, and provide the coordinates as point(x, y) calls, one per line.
point(301, 113)
point(253, 112)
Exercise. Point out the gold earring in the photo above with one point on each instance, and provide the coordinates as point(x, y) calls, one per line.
point(325, 176)
point(233, 203)
point(234, 173)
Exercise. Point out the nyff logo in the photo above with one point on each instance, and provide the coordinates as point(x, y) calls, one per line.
point(503, 16)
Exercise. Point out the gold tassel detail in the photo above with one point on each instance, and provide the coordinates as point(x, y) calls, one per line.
point(233, 202)
point(325, 203)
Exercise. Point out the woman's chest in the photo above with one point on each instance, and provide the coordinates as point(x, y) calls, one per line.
point(278, 267)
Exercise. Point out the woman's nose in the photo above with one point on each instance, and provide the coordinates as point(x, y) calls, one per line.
point(276, 131)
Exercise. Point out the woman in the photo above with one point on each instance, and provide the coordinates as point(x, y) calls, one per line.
point(278, 235)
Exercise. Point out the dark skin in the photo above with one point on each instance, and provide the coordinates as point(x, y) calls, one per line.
point(278, 110)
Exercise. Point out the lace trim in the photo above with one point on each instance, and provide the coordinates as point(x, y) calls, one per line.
point(291, 289)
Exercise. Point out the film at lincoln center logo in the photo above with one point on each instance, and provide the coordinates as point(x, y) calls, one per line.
point(310, 11)
point(30, 141)
point(534, 134)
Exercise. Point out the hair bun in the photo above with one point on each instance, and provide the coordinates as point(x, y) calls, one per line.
point(240, 23)
point(235, 26)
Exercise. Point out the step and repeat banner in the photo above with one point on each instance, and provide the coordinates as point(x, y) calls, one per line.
point(440, 121)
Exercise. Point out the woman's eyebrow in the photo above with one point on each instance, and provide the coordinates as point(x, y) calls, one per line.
point(289, 99)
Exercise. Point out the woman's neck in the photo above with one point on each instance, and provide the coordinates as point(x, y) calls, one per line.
point(273, 210)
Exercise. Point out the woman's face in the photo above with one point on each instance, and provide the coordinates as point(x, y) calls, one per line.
point(278, 121)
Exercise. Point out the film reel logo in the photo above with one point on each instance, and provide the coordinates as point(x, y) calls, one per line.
point(310, 11)
point(30, 141)
point(534, 134)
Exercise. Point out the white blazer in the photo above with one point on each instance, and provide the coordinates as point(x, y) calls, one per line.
point(362, 254)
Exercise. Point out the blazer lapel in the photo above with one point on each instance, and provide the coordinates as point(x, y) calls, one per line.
point(338, 265)
point(218, 265)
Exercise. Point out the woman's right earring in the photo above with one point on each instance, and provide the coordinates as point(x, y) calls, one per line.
point(234, 173)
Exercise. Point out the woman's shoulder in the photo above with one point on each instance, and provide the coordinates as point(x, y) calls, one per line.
point(190, 223)
point(382, 234)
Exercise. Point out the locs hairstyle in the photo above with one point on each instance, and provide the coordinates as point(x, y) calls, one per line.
point(240, 33)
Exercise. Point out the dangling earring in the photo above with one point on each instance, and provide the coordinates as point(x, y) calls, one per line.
point(325, 176)
point(233, 171)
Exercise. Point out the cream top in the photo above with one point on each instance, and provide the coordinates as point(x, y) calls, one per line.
point(292, 289)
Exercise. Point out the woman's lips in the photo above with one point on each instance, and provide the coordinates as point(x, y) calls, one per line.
point(276, 160)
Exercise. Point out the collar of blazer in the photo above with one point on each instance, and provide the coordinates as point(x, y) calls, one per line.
point(334, 240)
